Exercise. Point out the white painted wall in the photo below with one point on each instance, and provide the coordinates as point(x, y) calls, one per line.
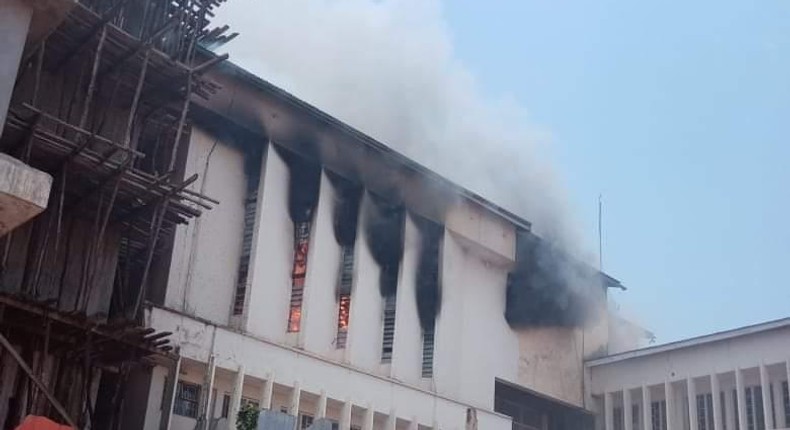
point(407, 356)
point(698, 360)
point(315, 373)
point(15, 18)
point(474, 344)
point(206, 252)
point(367, 306)
point(319, 313)
point(550, 362)
point(271, 259)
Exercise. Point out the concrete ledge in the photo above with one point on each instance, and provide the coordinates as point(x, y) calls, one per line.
point(24, 192)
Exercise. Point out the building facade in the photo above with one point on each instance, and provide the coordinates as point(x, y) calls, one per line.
point(198, 241)
point(730, 380)
point(337, 279)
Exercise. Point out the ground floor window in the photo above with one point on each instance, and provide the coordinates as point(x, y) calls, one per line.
point(187, 399)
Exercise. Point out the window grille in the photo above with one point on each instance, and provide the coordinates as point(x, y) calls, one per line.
point(704, 411)
point(344, 299)
point(246, 249)
point(427, 352)
point(187, 399)
point(301, 247)
point(388, 340)
point(659, 415)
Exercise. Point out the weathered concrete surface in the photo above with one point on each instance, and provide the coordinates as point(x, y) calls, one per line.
point(24, 192)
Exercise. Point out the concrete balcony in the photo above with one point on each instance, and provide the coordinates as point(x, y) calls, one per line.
point(24, 192)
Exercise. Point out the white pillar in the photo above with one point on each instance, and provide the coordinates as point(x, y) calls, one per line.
point(167, 412)
point(741, 396)
point(414, 424)
point(670, 405)
point(692, 400)
point(208, 386)
point(608, 408)
point(268, 390)
point(628, 419)
point(368, 423)
point(296, 394)
point(345, 416)
point(392, 420)
point(765, 386)
point(715, 393)
point(235, 397)
point(779, 405)
point(647, 408)
point(729, 408)
point(15, 18)
point(320, 409)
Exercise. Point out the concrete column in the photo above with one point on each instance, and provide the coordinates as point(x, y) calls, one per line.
point(345, 416)
point(670, 405)
point(15, 18)
point(320, 409)
point(692, 400)
point(268, 389)
point(369, 415)
point(729, 409)
point(608, 414)
point(296, 394)
point(716, 390)
point(765, 386)
point(208, 387)
point(170, 395)
point(741, 396)
point(235, 398)
point(628, 419)
point(392, 420)
point(647, 407)
point(779, 405)
point(414, 424)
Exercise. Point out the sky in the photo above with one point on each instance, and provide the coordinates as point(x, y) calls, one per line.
point(678, 114)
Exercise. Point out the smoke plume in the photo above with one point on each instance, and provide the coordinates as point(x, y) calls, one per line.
point(548, 288)
point(387, 67)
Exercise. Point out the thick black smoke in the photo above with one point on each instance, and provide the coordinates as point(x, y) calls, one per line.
point(429, 291)
point(384, 233)
point(348, 195)
point(547, 288)
point(303, 187)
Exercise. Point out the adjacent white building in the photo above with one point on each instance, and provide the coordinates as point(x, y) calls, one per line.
point(735, 379)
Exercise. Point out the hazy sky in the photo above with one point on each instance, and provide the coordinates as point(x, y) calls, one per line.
point(679, 114)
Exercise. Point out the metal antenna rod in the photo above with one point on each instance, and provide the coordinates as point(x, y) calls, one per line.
point(600, 236)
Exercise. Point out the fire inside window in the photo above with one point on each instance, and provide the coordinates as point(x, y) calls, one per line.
point(344, 312)
point(344, 297)
point(301, 246)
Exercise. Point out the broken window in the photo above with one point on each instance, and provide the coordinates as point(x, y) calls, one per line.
point(304, 184)
point(384, 228)
point(348, 196)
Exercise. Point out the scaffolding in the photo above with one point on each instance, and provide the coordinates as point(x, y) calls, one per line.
point(101, 104)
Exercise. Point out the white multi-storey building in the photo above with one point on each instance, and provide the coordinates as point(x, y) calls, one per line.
point(735, 379)
point(337, 278)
